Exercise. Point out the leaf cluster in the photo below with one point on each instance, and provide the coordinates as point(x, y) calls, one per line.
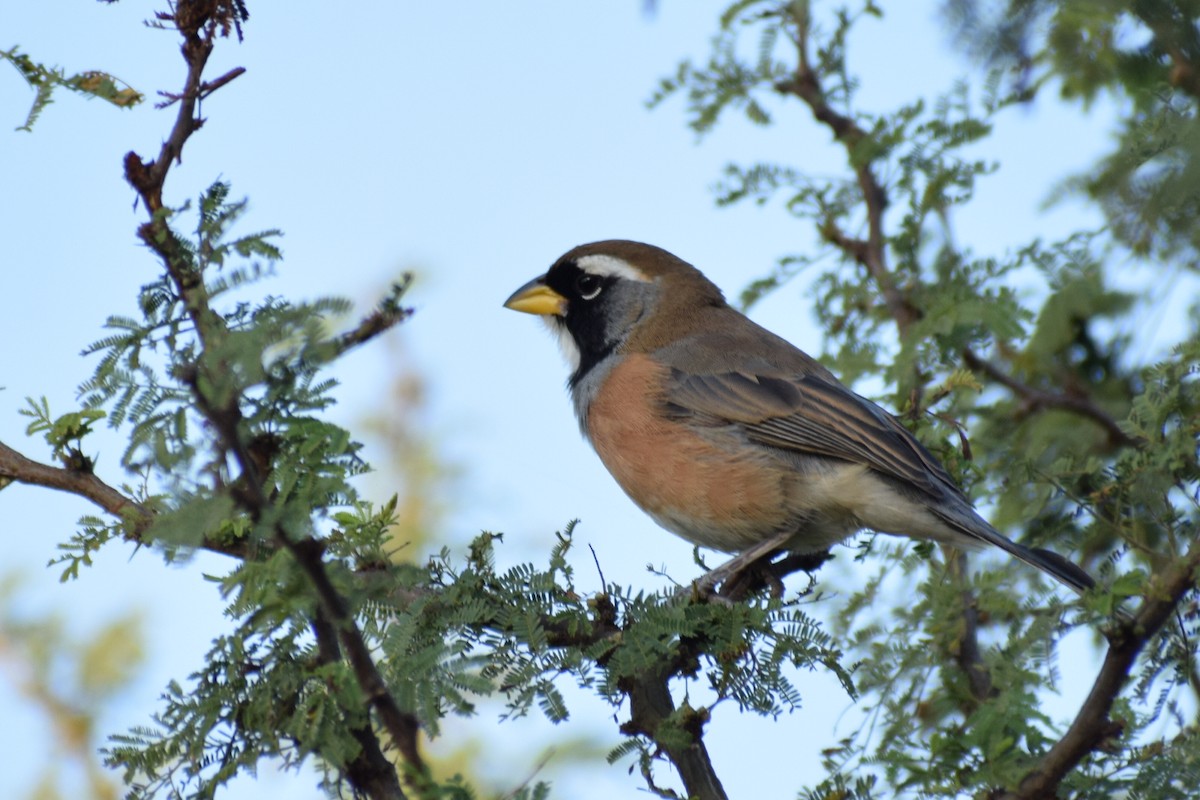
point(44, 80)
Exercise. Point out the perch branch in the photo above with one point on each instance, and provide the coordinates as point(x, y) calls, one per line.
point(1127, 637)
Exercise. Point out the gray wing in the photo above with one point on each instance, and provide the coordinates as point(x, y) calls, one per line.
point(811, 414)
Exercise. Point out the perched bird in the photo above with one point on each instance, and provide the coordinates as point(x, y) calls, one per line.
point(726, 434)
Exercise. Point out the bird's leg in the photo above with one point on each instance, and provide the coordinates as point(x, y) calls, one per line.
point(795, 562)
point(731, 568)
point(765, 573)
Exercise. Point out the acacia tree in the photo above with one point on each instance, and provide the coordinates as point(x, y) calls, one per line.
point(338, 654)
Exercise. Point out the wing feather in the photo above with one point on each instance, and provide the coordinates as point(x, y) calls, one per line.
point(810, 414)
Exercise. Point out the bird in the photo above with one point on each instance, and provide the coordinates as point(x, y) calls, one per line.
point(729, 436)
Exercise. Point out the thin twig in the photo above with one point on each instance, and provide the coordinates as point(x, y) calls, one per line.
point(389, 314)
point(871, 252)
point(1038, 399)
point(208, 87)
point(137, 518)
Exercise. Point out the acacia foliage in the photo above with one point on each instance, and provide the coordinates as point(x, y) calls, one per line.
point(338, 653)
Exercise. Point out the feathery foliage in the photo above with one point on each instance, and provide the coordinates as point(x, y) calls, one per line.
point(340, 654)
point(44, 80)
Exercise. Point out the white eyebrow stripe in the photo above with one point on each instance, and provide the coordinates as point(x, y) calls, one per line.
point(610, 266)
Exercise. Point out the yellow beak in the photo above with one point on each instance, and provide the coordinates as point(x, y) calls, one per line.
point(536, 297)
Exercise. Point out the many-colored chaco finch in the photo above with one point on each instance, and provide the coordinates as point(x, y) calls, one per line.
point(726, 434)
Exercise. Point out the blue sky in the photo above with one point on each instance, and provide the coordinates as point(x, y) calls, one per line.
point(473, 146)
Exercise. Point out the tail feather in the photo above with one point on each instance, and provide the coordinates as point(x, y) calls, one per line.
point(1065, 572)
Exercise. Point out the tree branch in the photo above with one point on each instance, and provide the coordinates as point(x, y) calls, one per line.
point(1038, 399)
point(402, 727)
point(389, 314)
point(137, 518)
point(1127, 637)
point(650, 702)
point(871, 252)
point(16, 467)
point(370, 770)
point(650, 706)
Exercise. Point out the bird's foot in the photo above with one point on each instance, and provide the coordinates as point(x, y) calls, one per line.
point(752, 570)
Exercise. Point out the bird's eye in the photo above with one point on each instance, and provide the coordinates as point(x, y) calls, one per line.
point(588, 285)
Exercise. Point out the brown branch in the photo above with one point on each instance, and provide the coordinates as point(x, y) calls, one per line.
point(148, 178)
point(369, 770)
point(871, 252)
point(85, 484)
point(199, 28)
point(389, 314)
point(1092, 726)
point(1037, 399)
point(208, 87)
point(649, 691)
point(403, 727)
point(858, 249)
point(137, 518)
point(650, 702)
point(650, 706)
